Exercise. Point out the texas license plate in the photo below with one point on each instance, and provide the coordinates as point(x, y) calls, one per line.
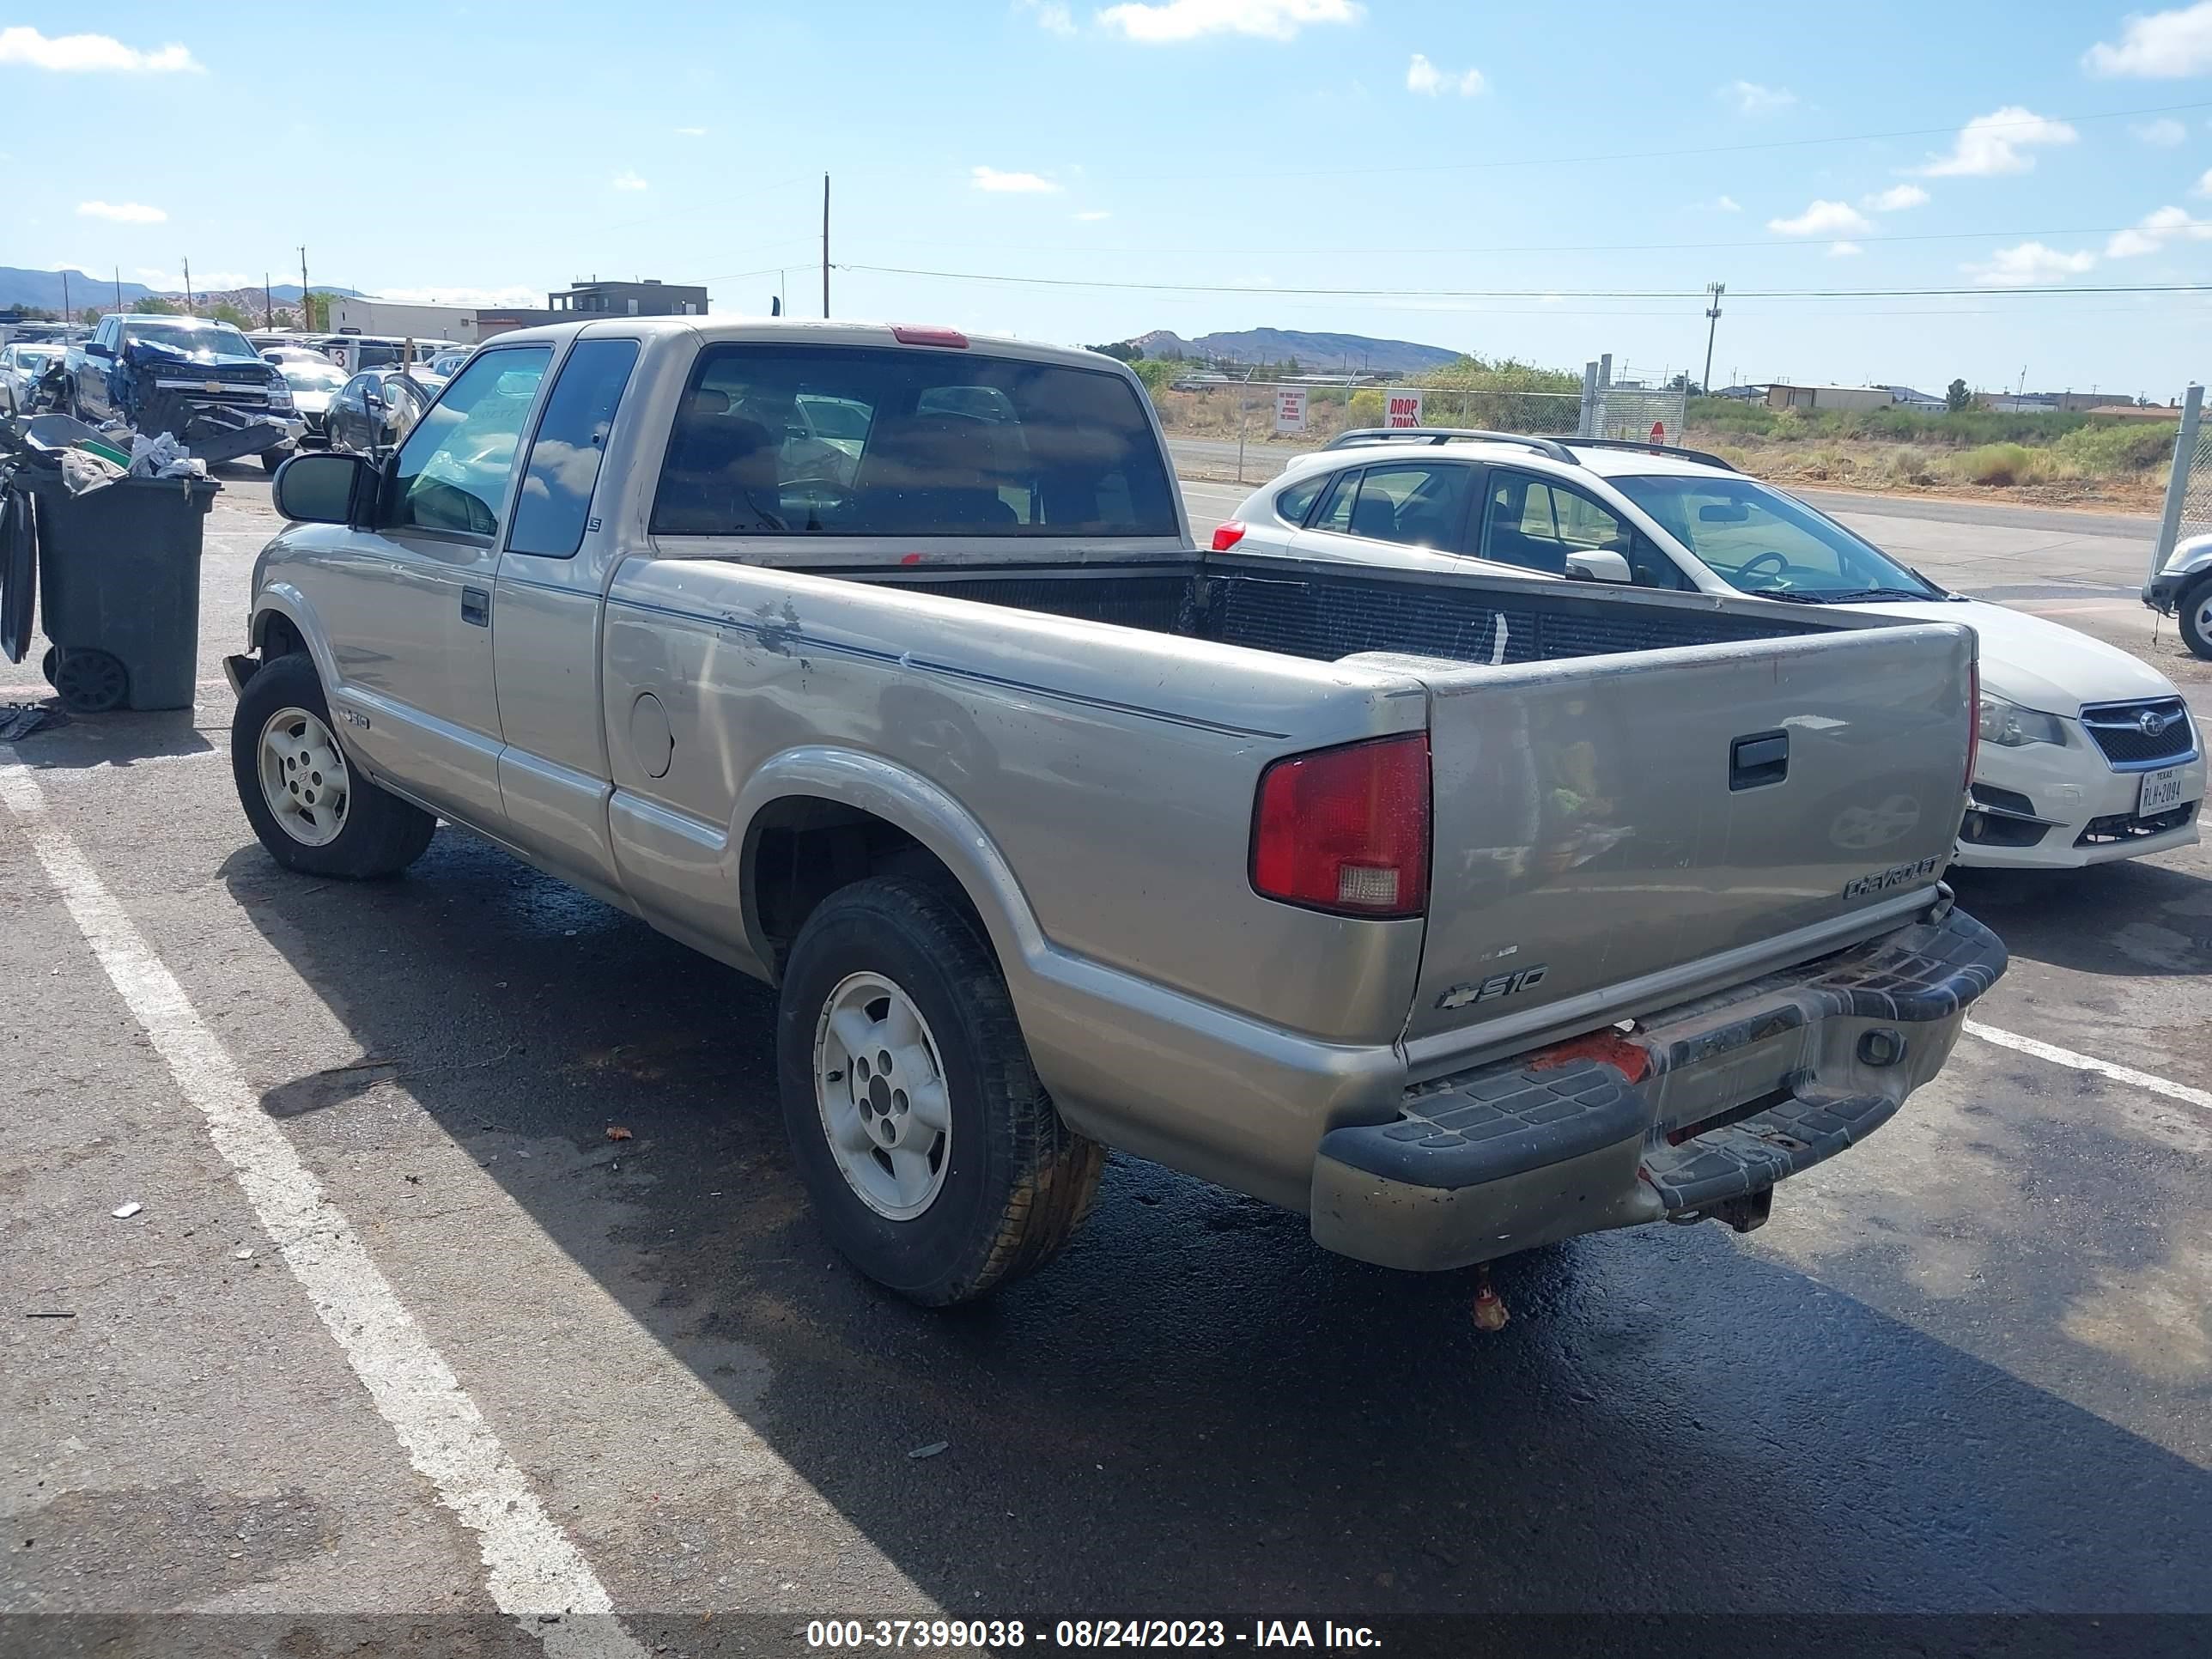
point(2161, 790)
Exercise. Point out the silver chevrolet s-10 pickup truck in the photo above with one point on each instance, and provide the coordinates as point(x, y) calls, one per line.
point(1461, 913)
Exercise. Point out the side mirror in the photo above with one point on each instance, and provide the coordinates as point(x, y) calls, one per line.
point(1598, 564)
point(321, 488)
point(95, 348)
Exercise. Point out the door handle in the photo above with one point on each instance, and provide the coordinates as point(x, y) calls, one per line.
point(476, 607)
point(1757, 760)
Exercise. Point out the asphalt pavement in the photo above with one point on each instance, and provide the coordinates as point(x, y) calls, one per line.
point(1965, 1370)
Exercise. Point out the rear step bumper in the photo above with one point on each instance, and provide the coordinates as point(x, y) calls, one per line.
point(1699, 1110)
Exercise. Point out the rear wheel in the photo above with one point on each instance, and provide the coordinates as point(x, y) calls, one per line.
point(2196, 613)
point(300, 793)
point(89, 682)
point(935, 1159)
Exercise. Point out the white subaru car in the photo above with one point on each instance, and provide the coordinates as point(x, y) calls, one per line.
point(2088, 755)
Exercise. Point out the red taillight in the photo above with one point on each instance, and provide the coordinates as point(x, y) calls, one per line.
point(1974, 718)
point(1226, 536)
point(908, 334)
point(1346, 830)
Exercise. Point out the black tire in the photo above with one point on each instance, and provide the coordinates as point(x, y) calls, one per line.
point(2195, 601)
point(273, 459)
point(1019, 1180)
point(382, 833)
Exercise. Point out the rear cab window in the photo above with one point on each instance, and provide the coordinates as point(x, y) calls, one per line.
point(799, 439)
point(572, 441)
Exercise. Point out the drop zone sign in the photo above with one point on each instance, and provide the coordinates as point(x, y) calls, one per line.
point(1401, 408)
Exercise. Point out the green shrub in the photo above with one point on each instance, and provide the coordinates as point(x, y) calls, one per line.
point(1363, 408)
point(2103, 448)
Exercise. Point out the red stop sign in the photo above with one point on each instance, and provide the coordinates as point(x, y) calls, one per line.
point(1658, 432)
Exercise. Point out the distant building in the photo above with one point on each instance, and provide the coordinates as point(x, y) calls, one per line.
point(391, 319)
point(1907, 397)
point(586, 300)
point(1849, 398)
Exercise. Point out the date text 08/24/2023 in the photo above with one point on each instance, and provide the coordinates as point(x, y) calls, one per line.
point(1003, 1634)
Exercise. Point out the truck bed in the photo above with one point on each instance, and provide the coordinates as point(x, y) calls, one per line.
point(1326, 612)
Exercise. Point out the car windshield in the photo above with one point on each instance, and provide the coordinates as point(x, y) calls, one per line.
point(216, 340)
point(35, 356)
point(1761, 541)
point(312, 377)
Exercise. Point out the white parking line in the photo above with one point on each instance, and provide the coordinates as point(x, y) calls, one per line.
point(2057, 1056)
point(532, 1567)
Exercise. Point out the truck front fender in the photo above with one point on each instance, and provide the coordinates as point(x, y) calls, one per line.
point(281, 599)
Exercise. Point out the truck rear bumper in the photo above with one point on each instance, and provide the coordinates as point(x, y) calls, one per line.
point(1699, 1110)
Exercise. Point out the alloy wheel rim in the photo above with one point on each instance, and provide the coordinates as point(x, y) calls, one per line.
point(304, 780)
point(2204, 616)
point(879, 1086)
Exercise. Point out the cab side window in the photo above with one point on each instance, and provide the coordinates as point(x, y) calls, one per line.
point(453, 471)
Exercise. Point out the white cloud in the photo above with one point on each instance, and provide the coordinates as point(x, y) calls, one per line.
point(122, 213)
point(2204, 184)
point(1170, 21)
point(1726, 204)
point(2029, 264)
point(1823, 219)
point(2154, 230)
point(533, 297)
point(628, 179)
point(1895, 199)
point(1426, 78)
point(1052, 16)
point(1992, 144)
point(91, 54)
point(1012, 184)
point(1844, 249)
point(1752, 99)
point(1090, 215)
point(2163, 134)
point(690, 132)
point(2163, 46)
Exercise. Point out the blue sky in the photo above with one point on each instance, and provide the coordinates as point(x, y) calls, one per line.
point(2016, 148)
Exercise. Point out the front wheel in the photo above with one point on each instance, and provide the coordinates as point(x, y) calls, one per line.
point(299, 790)
point(936, 1162)
point(273, 459)
point(2194, 611)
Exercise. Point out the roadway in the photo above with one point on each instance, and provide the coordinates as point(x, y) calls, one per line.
point(1963, 1371)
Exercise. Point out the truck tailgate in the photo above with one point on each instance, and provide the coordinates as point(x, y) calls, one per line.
point(1615, 831)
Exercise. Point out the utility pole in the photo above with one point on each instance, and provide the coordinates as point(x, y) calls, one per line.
point(1712, 327)
point(268, 303)
point(825, 246)
point(119, 288)
point(67, 316)
point(188, 288)
point(307, 312)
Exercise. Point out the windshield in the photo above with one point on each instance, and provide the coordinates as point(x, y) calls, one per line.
point(217, 340)
point(312, 377)
point(35, 356)
point(1761, 541)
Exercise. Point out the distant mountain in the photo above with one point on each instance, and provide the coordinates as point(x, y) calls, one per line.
point(1315, 352)
point(43, 289)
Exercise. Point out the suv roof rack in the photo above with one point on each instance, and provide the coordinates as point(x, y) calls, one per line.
point(1550, 448)
point(1698, 455)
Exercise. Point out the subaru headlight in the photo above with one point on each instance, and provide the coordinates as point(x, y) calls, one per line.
point(2011, 726)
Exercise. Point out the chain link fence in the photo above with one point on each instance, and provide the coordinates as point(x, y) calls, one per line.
point(2189, 485)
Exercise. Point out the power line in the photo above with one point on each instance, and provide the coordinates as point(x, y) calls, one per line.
point(1979, 291)
point(1808, 244)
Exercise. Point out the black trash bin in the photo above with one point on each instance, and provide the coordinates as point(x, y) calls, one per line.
point(119, 590)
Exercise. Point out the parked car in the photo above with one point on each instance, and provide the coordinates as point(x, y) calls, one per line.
point(1336, 886)
point(281, 355)
point(2088, 754)
point(21, 366)
point(2183, 590)
point(376, 409)
point(201, 380)
point(315, 382)
point(446, 363)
